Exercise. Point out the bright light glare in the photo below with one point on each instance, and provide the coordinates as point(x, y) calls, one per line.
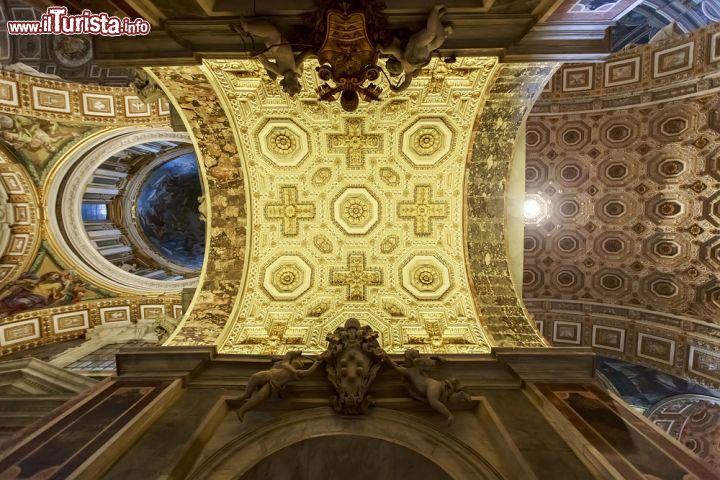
point(531, 209)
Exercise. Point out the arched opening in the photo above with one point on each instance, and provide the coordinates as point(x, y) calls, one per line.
point(350, 457)
point(384, 443)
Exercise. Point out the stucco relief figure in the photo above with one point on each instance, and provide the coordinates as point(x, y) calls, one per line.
point(286, 65)
point(28, 133)
point(352, 360)
point(262, 384)
point(417, 53)
point(145, 88)
point(165, 325)
point(421, 386)
point(71, 51)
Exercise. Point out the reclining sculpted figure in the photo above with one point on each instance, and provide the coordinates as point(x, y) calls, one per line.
point(421, 386)
point(262, 384)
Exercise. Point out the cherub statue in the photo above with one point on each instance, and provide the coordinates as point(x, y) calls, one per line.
point(423, 387)
point(286, 64)
point(418, 50)
point(262, 384)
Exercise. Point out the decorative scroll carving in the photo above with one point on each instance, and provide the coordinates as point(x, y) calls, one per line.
point(352, 360)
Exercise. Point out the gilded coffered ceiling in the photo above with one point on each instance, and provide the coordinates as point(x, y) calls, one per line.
point(358, 214)
point(355, 214)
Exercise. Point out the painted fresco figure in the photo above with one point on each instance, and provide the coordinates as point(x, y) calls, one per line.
point(30, 292)
point(419, 49)
point(28, 133)
point(422, 387)
point(262, 384)
point(286, 64)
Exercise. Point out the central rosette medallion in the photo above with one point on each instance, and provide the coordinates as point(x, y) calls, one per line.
point(356, 211)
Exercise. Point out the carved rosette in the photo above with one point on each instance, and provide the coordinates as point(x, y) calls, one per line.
point(426, 142)
point(352, 360)
point(425, 277)
point(284, 142)
point(287, 277)
point(356, 211)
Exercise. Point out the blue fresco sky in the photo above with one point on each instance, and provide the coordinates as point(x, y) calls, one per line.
point(167, 210)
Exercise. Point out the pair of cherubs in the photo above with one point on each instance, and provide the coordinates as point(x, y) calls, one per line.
point(407, 60)
point(421, 386)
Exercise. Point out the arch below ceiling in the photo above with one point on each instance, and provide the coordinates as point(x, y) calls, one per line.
point(241, 454)
point(64, 189)
point(221, 167)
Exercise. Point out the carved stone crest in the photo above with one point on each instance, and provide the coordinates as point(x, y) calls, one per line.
point(352, 360)
point(348, 59)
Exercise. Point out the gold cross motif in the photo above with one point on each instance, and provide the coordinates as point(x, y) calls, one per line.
point(356, 277)
point(422, 210)
point(290, 211)
point(354, 143)
point(279, 336)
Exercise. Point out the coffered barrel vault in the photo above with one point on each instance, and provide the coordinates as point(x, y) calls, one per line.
point(357, 214)
point(626, 257)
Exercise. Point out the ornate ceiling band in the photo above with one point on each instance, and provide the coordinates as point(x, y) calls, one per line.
point(19, 219)
point(221, 167)
point(64, 188)
point(679, 67)
point(70, 102)
point(355, 214)
point(494, 138)
point(675, 344)
point(57, 324)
